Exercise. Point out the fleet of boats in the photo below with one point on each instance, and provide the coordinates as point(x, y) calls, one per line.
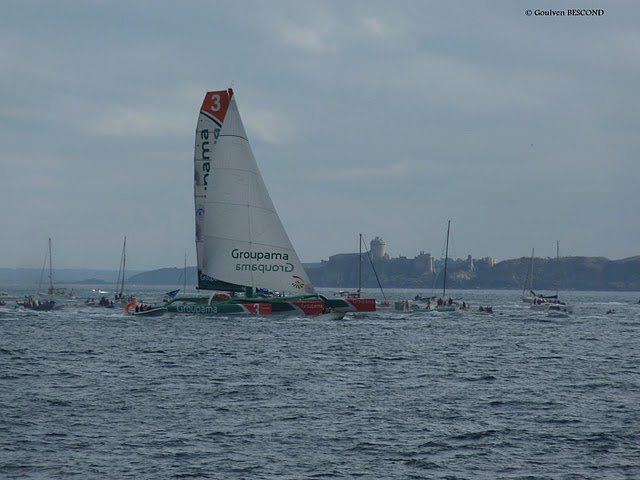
point(435, 303)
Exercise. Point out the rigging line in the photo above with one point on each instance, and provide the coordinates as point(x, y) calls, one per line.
point(373, 267)
point(44, 265)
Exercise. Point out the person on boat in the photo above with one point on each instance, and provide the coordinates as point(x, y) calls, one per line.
point(464, 306)
point(439, 302)
point(428, 307)
point(450, 301)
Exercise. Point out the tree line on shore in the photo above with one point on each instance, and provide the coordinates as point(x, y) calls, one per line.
point(566, 273)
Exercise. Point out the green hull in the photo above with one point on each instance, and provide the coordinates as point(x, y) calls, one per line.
point(309, 304)
point(300, 304)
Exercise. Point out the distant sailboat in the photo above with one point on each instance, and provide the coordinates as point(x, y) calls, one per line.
point(52, 290)
point(120, 296)
point(558, 307)
point(551, 303)
point(444, 305)
point(355, 298)
point(434, 303)
point(532, 297)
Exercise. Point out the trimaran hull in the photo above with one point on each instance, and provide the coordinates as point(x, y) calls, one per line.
point(310, 305)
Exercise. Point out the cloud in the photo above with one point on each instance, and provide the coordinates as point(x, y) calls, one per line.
point(134, 121)
point(375, 26)
point(268, 126)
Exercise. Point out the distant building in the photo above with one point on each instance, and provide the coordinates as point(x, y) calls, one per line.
point(485, 262)
point(378, 249)
point(351, 269)
point(424, 262)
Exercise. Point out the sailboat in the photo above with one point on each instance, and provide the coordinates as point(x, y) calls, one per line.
point(533, 298)
point(244, 255)
point(355, 298)
point(120, 296)
point(444, 305)
point(557, 307)
point(551, 303)
point(51, 290)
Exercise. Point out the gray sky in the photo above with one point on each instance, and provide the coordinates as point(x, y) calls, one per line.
point(373, 117)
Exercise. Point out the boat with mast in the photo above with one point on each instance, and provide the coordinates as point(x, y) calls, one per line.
point(120, 296)
point(52, 290)
point(528, 281)
point(533, 298)
point(442, 304)
point(355, 298)
point(552, 303)
point(244, 255)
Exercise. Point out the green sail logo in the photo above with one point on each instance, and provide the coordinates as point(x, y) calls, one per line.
point(262, 261)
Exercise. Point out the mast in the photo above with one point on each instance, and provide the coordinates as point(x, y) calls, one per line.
point(44, 266)
point(120, 280)
point(529, 278)
point(558, 267)
point(360, 266)
point(373, 267)
point(446, 257)
point(124, 263)
point(50, 269)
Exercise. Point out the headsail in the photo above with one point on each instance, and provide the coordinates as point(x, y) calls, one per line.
point(212, 114)
point(245, 242)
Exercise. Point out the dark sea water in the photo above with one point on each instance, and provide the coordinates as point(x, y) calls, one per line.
point(91, 393)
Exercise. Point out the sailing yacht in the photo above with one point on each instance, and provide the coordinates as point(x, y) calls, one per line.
point(244, 255)
point(355, 298)
point(443, 304)
point(536, 301)
point(434, 303)
point(52, 290)
point(120, 296)
point(551, 303)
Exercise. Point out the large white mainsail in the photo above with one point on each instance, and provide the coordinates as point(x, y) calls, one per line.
point(245, 242)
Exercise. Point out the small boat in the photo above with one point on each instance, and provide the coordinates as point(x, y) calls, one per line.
point(485, 310)
point(37, 305)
